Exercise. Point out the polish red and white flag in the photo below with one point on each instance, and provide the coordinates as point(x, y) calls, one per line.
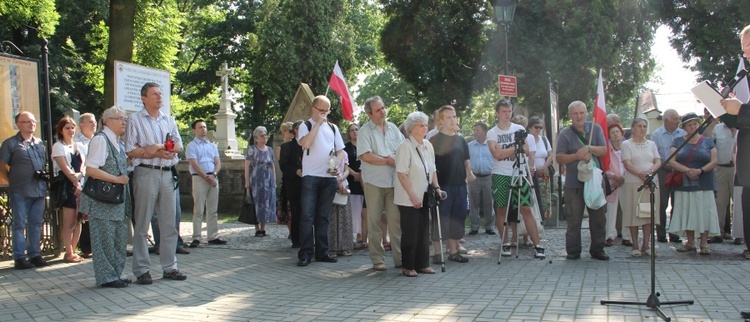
point(600, 117)
point(338, 85)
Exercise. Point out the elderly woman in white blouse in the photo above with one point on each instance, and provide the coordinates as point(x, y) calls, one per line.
point(415, 168)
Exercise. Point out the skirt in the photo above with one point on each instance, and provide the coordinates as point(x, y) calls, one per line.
point(694, 211)
point(629, 199)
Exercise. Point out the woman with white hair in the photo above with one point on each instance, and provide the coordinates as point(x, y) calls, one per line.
point(260, 178)
point(415, 168)
point(107, 161)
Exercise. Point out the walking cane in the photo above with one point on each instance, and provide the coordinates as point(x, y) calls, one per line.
point(436, 212)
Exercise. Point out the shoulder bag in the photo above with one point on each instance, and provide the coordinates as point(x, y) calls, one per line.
point(104, 191)
point(674, 178)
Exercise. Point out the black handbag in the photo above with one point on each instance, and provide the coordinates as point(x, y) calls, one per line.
point(104, 191)
point(247, 211)
point(58, 191)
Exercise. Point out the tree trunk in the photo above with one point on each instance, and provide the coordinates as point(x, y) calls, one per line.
point(120, 47)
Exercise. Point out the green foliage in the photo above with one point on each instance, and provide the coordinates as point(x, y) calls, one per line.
point(37, 15)
point(705, 33)
point(157, 33)
point(398, 96)
point(436, 47)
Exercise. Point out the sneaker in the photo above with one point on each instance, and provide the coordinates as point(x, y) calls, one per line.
point(506, 250)
point(195, 243)
point(174, 275)
point(490, 232)
point(144, 279)
point(738, 241)
point(458, 258)
point(473, 232)
point(539, 252)
point(436, 259)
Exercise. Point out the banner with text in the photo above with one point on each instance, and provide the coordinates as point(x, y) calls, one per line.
point(129, 78)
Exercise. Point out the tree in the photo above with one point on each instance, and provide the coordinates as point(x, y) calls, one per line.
point(120, 45)
point(23, 17)
point(705, 33)
point(436, 47)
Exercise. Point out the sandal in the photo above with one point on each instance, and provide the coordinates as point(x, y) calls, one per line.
point(462, 250)
point(427, 270)
point(73, 259)
point(360, 245)
point(609, 242)
point(704, 250)
point(636, 253)
point(686, 248)
point(387, 246)
point(436, 259)
point(409, 272)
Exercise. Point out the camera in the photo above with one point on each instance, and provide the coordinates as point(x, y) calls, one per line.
point(41, 175)
point(520, 137)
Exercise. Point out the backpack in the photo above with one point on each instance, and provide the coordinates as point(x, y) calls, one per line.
point(309, 127)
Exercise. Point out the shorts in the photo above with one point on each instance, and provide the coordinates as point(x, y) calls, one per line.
point(501, 189)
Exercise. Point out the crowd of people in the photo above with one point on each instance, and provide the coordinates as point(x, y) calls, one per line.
point(388, 188)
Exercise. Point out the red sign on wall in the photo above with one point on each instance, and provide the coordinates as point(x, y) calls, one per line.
point(507, 85)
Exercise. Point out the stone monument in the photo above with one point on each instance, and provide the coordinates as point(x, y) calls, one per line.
point(226, 140)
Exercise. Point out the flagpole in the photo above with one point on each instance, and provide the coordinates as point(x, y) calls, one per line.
point(327, 88)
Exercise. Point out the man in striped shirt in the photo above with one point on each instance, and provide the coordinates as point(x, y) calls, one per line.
point(154, 182)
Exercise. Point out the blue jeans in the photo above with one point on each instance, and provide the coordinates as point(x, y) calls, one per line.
point(155, 224)
point(27, 225)
point(316, 201)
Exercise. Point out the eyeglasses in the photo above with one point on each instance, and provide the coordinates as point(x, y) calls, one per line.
point(538, 127)
point(322, 111)
point(262, 136)
point(27, 122)
point(120, 119)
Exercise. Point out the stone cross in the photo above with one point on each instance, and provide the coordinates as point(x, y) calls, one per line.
point(224, 73)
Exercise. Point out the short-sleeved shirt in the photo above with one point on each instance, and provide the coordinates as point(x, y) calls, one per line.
point(24, 158)
point(664, 139)
point(569, 143)
point(504, 139)
point(543, 148)
point(315, 159)
point(724, 141)
point(451, 152)
point(81, 138)
point(144, 130)
point(480, 157)
point(60, 149)
point(99, 149)
point(204, 152)
point(701, 157)
point(372, 139)
point(641, 155)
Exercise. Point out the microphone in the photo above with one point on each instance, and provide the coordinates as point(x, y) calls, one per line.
point(725, 91)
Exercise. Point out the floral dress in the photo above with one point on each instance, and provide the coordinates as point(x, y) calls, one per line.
point(262, 182)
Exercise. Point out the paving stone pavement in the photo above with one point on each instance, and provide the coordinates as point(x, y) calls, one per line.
point(256, 279)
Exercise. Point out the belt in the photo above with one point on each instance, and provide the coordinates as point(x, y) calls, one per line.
point(481, 175)
point(728, 165)
point(156, 167)
point(210, 173)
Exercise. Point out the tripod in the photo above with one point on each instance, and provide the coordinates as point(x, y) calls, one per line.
point(519, 180)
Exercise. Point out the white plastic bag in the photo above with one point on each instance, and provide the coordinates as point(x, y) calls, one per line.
point(593, 194)
point(537, 217)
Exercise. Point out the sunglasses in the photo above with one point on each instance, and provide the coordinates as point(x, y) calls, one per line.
point(538, 127)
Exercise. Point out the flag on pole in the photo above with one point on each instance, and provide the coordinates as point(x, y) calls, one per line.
point(742, 90)
point(338, 84)
point(600, 117)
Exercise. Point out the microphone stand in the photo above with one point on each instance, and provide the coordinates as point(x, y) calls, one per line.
point(653, 299)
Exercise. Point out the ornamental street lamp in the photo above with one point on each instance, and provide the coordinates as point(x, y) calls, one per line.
point(504, 12)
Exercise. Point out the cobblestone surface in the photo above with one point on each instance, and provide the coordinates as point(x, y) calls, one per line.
point(255, 278)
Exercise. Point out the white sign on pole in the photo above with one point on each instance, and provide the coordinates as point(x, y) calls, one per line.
point(129, 78)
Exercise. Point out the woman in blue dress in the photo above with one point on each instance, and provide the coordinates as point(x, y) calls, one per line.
point(260, 178)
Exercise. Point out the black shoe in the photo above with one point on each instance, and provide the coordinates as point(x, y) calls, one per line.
point(174, 275)
point(303, 262)
point(144, 279)
point(127, 280)
point(745, 314)
point(22, 263)
point(38, 261)
point(602, 256)
point(490, 232)
point(458, 258)
point(195, 243)
point(327, 259)
point(715, 240)
point(115, 284)
point(182, 250)
point(153, 250)
point(436, 260)
point(473, 232)
point(129, 253)
point(661, 239)
point(295, 245)
point(573, 256)
point(217, 241)
point(674, 238)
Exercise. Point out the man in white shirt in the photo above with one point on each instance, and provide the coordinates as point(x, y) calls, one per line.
point(663, 137)
point(320, 141)
point(203, 157)
point(87, 124)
